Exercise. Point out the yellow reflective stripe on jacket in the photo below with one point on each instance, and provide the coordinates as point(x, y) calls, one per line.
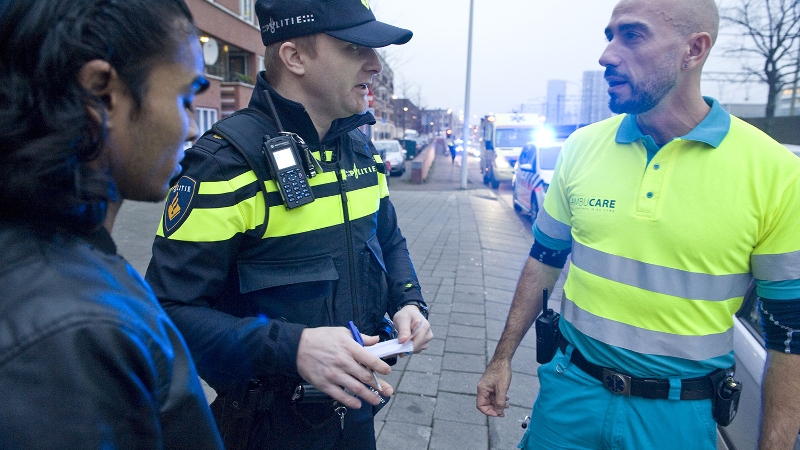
point(321, 213)
point(226, 187)
point(220, 224)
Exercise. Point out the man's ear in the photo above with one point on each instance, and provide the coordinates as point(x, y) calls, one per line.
point(100, 79)
point(292, 58)
point(698, 48)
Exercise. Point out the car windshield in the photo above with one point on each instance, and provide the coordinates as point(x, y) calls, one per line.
point(548, 157)
point(388, 146)
point(513, 137)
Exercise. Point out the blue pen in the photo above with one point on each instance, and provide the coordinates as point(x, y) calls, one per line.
point(357, 337)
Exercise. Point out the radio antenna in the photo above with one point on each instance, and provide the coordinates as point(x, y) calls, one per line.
point(273, 111)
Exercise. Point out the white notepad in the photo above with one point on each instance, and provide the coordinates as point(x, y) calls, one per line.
point(390, 347)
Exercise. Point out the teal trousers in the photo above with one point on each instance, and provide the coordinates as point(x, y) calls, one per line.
point(574, 411)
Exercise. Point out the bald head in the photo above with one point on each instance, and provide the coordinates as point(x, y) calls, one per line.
point(687, 16)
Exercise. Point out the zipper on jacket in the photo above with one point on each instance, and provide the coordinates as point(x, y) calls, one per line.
point(349, 235)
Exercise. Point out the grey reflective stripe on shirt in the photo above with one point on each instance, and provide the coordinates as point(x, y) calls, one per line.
point(779, 267)
point(660, 279)
point(553, 228)
point(618, 334)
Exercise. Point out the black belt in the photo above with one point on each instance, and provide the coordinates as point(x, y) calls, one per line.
point(621, 383)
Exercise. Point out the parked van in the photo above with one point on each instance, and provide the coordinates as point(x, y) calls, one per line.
point(503, 137)
point(534, 171)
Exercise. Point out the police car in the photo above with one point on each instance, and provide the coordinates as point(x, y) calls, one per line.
point(532, 174)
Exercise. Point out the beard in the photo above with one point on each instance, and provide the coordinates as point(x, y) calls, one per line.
point(645, 94)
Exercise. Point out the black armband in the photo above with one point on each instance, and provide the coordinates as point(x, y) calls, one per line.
point(780, 322)
point(554, 258)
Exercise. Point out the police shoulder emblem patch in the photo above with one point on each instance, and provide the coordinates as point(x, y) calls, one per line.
point(179, 203)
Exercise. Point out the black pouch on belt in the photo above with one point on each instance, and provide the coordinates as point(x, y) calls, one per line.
point(547, 333)
point(725, 401)
point(237, 411)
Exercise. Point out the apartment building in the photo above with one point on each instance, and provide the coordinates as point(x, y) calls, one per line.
point(233, 54)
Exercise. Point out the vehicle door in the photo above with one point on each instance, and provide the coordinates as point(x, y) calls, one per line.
point(525, 176)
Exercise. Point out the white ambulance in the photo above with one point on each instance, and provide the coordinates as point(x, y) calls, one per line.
point(503, 137)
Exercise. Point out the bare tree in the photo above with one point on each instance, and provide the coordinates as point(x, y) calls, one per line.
point(773, 29)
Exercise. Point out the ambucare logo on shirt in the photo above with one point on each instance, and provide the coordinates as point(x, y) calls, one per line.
point(593, 204)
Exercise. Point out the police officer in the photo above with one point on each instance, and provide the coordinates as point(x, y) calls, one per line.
point(698, 203)
point(263, 289)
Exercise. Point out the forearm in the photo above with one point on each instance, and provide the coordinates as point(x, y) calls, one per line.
point(780, 401)
point(230, 349)
point(526, 306)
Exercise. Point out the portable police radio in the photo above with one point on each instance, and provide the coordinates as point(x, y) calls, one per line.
point(290, 163)
point(547, 334)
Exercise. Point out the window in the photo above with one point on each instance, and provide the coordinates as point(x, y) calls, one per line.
point(246, 9)
point(549, 156)
point(513, 137)
point(260, 63)
point(205, 118)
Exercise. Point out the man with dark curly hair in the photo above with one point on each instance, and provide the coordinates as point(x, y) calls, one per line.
point(96, 99)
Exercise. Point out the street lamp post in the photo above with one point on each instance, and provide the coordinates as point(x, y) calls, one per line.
point(465, 129)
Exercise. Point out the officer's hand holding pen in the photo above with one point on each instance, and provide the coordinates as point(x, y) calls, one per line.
point(411, 324)
point(332, 361)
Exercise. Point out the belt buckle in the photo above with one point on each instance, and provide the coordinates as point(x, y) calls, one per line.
point(616, 382)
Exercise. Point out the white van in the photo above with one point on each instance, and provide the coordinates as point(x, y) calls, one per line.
point(534, 171)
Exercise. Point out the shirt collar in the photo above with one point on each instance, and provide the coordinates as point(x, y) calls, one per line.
point(711, 130)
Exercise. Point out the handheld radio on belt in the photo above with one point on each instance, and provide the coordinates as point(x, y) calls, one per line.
point(290, 163)
point(547, 334)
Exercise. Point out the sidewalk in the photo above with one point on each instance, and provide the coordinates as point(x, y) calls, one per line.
point(468, 247)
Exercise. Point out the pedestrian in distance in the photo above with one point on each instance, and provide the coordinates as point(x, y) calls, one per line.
point(280, 232)
point(97, 100)
point(669, 210)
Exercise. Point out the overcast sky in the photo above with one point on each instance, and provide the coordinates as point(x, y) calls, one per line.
point(518, 45)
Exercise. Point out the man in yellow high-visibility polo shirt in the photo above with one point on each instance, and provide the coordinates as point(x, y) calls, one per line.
point(668, 209)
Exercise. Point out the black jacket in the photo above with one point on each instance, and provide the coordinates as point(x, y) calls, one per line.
point(88, 359)
point(241, 292)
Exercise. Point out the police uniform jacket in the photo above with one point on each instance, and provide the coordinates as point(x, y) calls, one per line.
point(88, 359)
point(242, 285)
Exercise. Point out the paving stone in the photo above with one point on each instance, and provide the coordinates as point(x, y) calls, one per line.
point(424, 362)
point(465, 331)
point(440, 307)
point(403, 436)
point(435, 346)
point(410, 408)
point(506, 432)
point(459, 382)
point(465, 345)
point(458, 318)
point(499, 295)
point(504, 284)
point(458, 408)
point(449, 435)
point(525, 360)
point(523, 390)
point(472, 308)
point(435, 318)
point(496, 310)
point(463, 362)
point(494, 328)
point(419, 383)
